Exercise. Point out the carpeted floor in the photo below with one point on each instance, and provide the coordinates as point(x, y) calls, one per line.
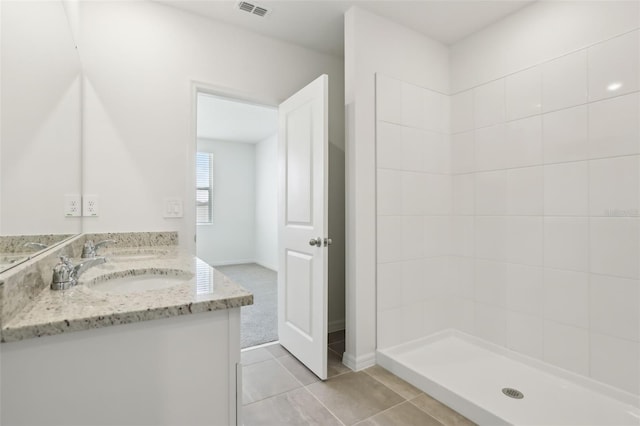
point(259, 322)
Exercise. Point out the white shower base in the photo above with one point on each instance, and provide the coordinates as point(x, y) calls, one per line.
point(468, 374)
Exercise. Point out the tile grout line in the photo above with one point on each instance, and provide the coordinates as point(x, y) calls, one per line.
point(321, 403)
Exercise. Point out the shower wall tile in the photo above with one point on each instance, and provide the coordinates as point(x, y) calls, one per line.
point(524, 334)
point(614, 127)
point(566, 297)
point(462, 112)
point(564, 135)
point(614, 67)
point(524, 240)
point(437, 236)
point(491, 193)
point(489, 104)
point(566, 189)
point(490, 148)
point(566, 243)
point(614, 307)
point(491, 237)
point(463, 152)
point(523, 93)
point(525, 194)
point(463, 194)
point(615, 361)
point(389, 146)
point(491, 282)
point(566, 347)
point(524, 142)
point(388, 99)
point(613, 186)
point(462, 236)
point(564, 81)
point(389, 279)
point(525, 289)
point(462, 276)
point(491, 323)
point(614, 246)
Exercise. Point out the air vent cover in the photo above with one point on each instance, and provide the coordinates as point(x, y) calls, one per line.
point(253, 8)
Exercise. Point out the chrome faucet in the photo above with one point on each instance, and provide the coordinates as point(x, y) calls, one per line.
point(65, 274)
point(37, 246)
point(90, 249)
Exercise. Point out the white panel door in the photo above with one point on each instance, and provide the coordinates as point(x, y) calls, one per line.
point(302, 274)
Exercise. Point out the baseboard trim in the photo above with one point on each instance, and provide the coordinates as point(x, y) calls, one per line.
point(232, 262)
point(267, 265)
point(359, 363)
point(335, 325)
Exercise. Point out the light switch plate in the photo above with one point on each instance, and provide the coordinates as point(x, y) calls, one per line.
point(90, 207)
point(72, 205)
point(172, 207)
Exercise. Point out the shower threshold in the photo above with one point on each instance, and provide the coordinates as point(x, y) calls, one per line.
point(480, 379)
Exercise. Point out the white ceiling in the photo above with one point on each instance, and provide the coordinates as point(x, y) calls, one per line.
point(319, 25)
point(226, 120)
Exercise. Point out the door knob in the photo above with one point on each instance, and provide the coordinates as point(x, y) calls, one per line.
point(327, 242)
point(315, 242)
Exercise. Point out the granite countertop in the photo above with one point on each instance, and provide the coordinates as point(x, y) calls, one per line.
point(92, 304)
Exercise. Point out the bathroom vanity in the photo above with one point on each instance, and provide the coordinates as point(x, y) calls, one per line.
point(151, 337)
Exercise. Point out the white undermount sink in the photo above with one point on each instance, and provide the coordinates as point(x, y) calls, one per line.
point(141, 281)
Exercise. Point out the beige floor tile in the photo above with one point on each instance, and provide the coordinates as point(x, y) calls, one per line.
point(354, 396)
point(297, 407)
point(392, 381)
point(264, 379)
point(277, 350)
point(337, 347)
point(405, 414)
point(335, 366)
point(336, 336)
point(444, 414)
point(254, 355)
point(295, 367)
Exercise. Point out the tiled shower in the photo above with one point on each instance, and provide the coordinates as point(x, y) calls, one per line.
point(510, 209)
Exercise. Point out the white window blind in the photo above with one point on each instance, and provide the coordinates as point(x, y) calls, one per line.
point(204, 187)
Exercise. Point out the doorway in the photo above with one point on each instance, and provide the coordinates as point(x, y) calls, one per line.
point(236, 195)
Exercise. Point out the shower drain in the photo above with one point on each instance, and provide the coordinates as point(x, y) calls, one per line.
point(513, 393)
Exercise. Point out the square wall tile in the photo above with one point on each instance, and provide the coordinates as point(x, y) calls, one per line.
point(491, 323)
point(489, 104)
point(615, 306)
point(388, 325)
point(437, 315)
point(614, 67)
point(525, 194)
point(462, 235)
point(614, 246)
point(491, 237)
point(413, 149)
point(389, 236)
point(491, 282)
point(464, 194)
point(614, 186)
point(566, 189)
point(436, 280)
point(524, 142)
point(462, 153)
point(462, 112)
point(524, 334)
point(464, 316)
point(389, 286)
point(524, 93)
point(414, 201)
point(491, 148)
point(437, 236)
point(566, 347)
point(389, 193)
point(414, 105)
point(564, 82)
point(437, 189)
point(463, 276)
point(388, 99)
point(436, 112)
point(412, 231)
point(564, 135)
point(413, 274)
point(566, 243)
point(491, 193)
point(614, 126)
point(566, 297)
point(524, 240)
point(524, 289)
point(615, 362)
point(437, 152)
point(389, 147)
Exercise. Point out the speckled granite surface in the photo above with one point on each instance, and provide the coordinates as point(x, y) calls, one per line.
point(92, 305)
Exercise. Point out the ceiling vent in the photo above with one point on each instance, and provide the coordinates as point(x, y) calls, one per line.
point(253, 8)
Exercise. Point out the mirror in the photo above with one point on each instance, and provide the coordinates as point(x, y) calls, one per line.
point(40, 131)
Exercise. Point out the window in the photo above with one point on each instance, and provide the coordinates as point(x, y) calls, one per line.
point(204, 190)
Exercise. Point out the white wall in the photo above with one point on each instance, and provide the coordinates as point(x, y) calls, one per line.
point(374, 44)
point(266, 205)
point(231, 237)
point(140, 60)
point(546, 185)
point(40, 131)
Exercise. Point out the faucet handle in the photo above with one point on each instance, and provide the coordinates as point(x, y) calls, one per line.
point(88, 249)
point(63, 272)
